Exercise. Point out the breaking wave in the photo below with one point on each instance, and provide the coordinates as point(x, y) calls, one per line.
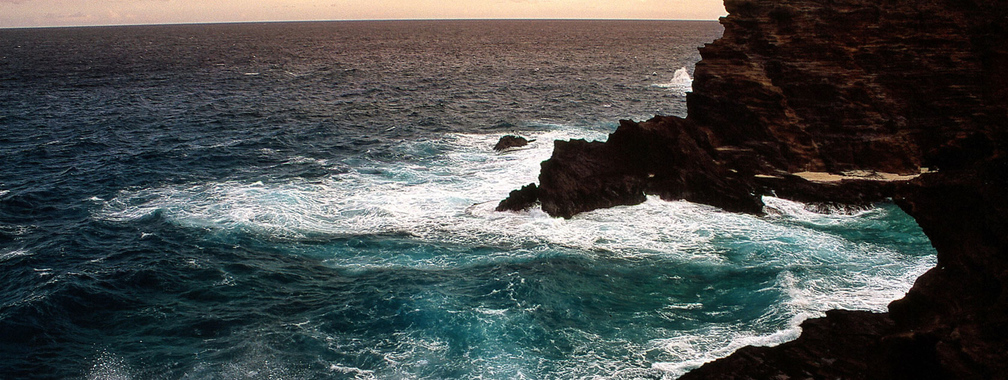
point(799, 262)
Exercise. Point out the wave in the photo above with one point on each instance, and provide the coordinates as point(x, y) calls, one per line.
point(820, 214)
point(443, 193)
point(448, 194)
point(455, 178)
point(694, 348)
point(12, 254)
point(681, 81)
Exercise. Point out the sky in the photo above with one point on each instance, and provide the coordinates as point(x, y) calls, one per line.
point(32, 13)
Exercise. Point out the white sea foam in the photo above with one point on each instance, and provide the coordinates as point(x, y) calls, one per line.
point(806, 297)
point(296, 160)
point(357, 373)
point(451, 204)
point(681, 81)
point(447, 197)
point(451, 199)
point(694, 348)
point(414, 198)
point(800, 212)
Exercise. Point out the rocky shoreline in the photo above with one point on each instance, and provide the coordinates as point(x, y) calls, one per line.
point(799, 86)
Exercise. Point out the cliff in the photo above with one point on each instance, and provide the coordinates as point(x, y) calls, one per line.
point(843, 87)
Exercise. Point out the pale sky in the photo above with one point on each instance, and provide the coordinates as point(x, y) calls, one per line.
point(22, 13)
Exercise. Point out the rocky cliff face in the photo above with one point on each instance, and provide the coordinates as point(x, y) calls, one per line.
point(854, 84)
point(836, 86)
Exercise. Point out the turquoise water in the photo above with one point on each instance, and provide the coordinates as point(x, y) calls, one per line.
point(420, 277)
point(282, 208)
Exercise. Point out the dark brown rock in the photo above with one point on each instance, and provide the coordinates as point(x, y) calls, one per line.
point(958, 311)
point(841, 345)
point(521, 199)
point(586, 176)
point(851, 84)
point(510, 142)
point(662, 156)
point(846, 192)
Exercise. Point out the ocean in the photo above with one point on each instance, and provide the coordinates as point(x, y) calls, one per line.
point(316, 201)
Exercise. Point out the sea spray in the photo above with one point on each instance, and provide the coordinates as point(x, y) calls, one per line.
point(681, 82)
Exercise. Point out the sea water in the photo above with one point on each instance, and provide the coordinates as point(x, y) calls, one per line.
point(316, 200)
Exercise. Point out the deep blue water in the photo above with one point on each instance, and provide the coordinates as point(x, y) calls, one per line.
point(315, 200)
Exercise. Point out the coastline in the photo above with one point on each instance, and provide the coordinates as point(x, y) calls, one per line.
point(852, 102)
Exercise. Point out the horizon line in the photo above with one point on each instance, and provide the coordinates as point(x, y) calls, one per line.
point(349, 20)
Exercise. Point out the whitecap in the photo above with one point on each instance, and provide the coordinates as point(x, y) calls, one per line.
point(421, 198)
point(681, 81)
point(357, 373)
point(301, 160)
point(691, 349)
point(14, 254)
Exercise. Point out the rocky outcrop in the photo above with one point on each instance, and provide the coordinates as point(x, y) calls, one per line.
point(889, 86)
point(837, 86)
point(521, 199)
point(584, 176)
point(510, 142)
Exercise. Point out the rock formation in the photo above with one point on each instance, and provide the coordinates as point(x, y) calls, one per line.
point(510, 141)
point(584, 176)
point(836, 86)
point(521, 199)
